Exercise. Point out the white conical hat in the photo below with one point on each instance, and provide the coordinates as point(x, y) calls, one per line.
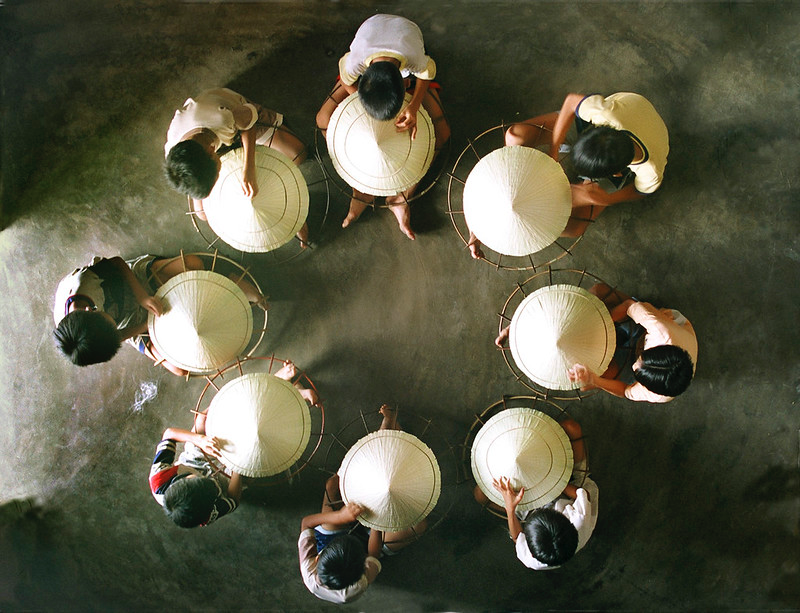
point(263, 424)
point(371, 155)
point(517, 200)
point(556, 327)
point(394, 476)
point(207, 321)
point(272, 217)
point(528, 447)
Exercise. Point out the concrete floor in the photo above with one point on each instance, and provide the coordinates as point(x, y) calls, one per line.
point(700, 498)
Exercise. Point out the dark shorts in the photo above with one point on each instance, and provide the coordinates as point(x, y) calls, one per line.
point(324, 538)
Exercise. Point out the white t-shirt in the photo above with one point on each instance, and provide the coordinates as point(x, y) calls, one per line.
point(581, 513)
point(387, 36)
point(634, 114)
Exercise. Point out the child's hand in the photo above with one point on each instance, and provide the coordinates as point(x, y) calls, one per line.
point(152, 304)
point(351, 511)
point(511, 497)
point(581, 375)
point(407, 120)
point(209, 445)
point(249, 183)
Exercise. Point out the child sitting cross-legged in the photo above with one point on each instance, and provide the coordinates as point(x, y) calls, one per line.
point(191, 490)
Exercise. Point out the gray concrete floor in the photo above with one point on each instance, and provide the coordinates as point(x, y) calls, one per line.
point(700, 497)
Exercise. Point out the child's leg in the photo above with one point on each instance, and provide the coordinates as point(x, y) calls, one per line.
point(503, 336)
point(358, 203)
point(483, 500)
point(338, 94)
point(395, 541)
point(580, 219)
point(611, 297)
point(288, 143)
point(166, 268)
point(154, 355)
point(288, 372)
point(532, 132)
point(389, 418)
point(441, 129)
point(575, 434)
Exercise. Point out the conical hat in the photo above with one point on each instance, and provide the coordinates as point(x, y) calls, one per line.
point(263, 422)
point(517, 200)
point(272, 217)
point(529, 448)
point(207, 321)
point(556, 327)
point(394, 476)
point(371, 155)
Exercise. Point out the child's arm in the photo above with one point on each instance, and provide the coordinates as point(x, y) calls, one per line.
point(566, 117)
point(407, 119)
point(511, 498)
point(347, 514)
point(206, 443)
point(151, 303)
point(235, 486)
point(590, 193)
point(620, 312)
point(588, 380)
point(249, 182)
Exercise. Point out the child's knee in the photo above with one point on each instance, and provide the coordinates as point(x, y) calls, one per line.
point(572, 428)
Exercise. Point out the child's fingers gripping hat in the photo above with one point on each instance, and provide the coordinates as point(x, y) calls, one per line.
point(270, 218)
point(530, 448)
point(556, 327)
point(262, 422)
point(372, 156)
point(394, 476)
point(517, 200)
point(207, 321)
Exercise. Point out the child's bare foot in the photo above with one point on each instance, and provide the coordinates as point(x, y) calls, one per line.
point(302, 236)
point(310, 395)
point(502, 337)
point(403, 214)
point(358, 203)
point(474, 246)
point(288, 371)
point(389, 418)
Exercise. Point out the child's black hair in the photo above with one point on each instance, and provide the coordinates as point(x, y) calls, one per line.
point(190, 169)
point(87, 337)
point(666, 370)
point(189, 501)
point(341, 562)
point(381, 90)
point(551, 537)
point(602, 151)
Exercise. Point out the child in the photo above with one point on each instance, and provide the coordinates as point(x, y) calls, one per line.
point(99, 306)
point(338, 557)
point(386, 50)
point(665, 357)
point(620, 137)
point(216, 119)
point(190, 490)
point(549, 536)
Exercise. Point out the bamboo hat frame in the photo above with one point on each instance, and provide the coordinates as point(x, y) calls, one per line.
point(269, 219)
point(394, 476)
point(476, 149)
point(263, 423)
point(371, 155)
point(517, 200)
point(528, 447)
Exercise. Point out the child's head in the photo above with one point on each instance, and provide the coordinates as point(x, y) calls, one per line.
point(190, 500)
point(551, 537)
point(665, 369)
point(341, 562)
point(87, 337)
point(381, 90)
point(191, 169)
point(602, 151)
